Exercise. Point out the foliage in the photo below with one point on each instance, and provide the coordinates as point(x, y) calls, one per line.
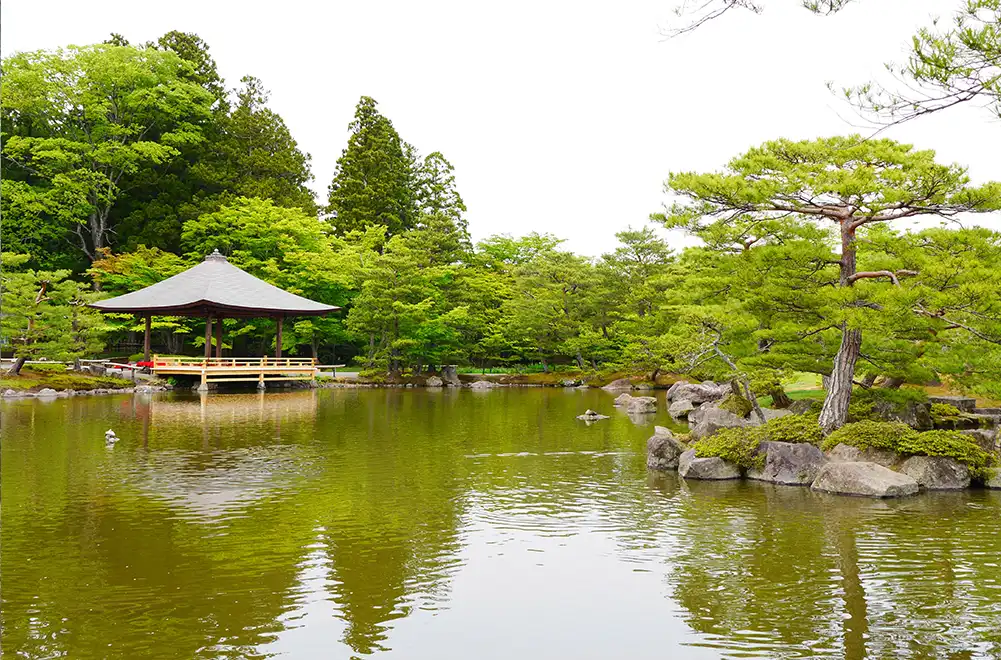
point(952, 444)
point(792, 428)
point(870, 434)
point(945, 411)
point(738, 446)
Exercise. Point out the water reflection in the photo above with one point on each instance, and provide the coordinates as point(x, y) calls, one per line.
point(363, 523)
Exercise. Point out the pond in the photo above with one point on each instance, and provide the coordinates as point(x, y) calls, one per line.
point(393, 523)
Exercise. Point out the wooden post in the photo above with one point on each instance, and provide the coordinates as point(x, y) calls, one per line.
point(278, 337)
point(146, 340)
point(208, 338)
point(218, 337)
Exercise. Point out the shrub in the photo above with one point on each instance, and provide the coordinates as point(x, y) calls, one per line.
point(792, 428)
point(739, 446)
point(945, 411)
point(952, 444)
point(869, 435)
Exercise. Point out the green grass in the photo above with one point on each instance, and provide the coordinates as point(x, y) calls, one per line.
point(33, 379)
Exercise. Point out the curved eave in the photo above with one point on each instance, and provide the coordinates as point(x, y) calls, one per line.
point(203, 308)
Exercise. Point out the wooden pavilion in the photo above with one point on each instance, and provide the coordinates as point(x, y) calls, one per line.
point(216, 289)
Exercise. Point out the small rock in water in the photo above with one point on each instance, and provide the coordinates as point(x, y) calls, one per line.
point(591, 416)
point(110, 436)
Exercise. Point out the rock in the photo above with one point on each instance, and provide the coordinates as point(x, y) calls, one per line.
point(47, 391)
point(680, 409)
point(145, 389)
point(986, 439)
point(937, 472)
point(800, 406)
point(674, 388)
point(591, 416)
point(434, 381)
point(789, 463)
point(663, 450)
point(864, 479)
point(619, 384)
point(482, 385)
point(691, 466)
point(10, 393)
point(695, 416)
point(714, 419)
point(843, 453)
point(623, 399)
point(773, 413)
point(963, 403)
point(571, 382)
point(993, 479)
point(641, 404)
point(915, 415)
point(450, 376)
point(700, 392)
point(642, 386)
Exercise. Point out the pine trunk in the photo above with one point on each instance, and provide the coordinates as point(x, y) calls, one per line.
point(15, 369)
point(839, 391)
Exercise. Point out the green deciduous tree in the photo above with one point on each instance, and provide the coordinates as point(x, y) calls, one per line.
point(846, 186)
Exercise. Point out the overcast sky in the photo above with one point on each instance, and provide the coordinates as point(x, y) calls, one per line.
point(562, 117)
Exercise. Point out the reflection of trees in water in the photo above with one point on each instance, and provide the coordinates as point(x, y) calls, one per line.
point(783, 571)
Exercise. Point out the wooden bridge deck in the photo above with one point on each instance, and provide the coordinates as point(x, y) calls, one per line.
point(233, 370)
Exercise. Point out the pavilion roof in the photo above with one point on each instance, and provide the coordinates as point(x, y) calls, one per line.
point(214, 287)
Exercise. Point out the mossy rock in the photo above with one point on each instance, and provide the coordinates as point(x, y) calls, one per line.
point(736, 404)
point(869, 434)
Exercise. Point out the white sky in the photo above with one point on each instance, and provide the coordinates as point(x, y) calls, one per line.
point(562, 117)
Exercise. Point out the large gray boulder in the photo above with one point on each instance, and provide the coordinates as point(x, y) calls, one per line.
point(792, 464)
point(641, 404)
point(622, 400)
point(46, 392)
point(620, 384)
point(714, 419)
point(674, 388)
point(434, 381)
point(963, 403)
point(773, 413)
point(993, 479)
point(482, 385)
point(680, 409)
point(986, 439)
point(863, 479)
point(698, 392)
point(713, 468)
point(914, 414)
point(937, 472)
point(663, 450)
point(843, 453)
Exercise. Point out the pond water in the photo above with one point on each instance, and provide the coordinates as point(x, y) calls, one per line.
point(453, 524)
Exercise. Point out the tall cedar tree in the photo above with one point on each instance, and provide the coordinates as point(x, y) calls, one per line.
point(373, 183)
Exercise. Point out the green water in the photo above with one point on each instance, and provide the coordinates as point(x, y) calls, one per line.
point(420, 524)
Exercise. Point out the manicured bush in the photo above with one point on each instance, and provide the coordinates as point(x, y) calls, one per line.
point(948, 443)
point(945, 411)
point(869, 434)
point(739, 446)
point(792, 428)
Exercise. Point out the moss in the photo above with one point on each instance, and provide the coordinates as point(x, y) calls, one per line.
point(739, 446)
point(952, 444)
point(945, 411)
point(735, 404)
point(792, 428)
point(869, 435)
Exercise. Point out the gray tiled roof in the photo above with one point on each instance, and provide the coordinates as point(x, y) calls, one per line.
point(214, 286)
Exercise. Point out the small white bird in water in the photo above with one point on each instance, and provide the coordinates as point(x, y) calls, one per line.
point(110, 437)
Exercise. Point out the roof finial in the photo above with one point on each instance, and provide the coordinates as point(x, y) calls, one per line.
point(216, 256)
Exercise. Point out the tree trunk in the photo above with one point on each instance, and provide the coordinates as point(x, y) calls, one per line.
point(869, 380)
point(834, 414)
point(371, 351)
point(580, 361)
point(780, 399)
point(892, 383)
point(545, 367)
point(15, 369)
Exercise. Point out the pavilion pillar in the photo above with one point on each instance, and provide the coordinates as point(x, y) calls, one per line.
point(218, 337)
point(208, 336)
point(146, 355)
point(278, 337)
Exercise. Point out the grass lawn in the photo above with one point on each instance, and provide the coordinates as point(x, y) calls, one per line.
point(33, 379)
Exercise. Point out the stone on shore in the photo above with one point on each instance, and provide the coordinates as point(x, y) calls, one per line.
point(450, 375)
point(993, 479)
point(680, 409)
point(674, 388)
point(47, 391)
point(698, 392)
point(788, 463)
point(482, 385)
point(434, 381)
point(623, 399)
point(712, 468)
point(663, 450)
point(937, 472)
point(641, 404)
point(619, 384)
point(843, 453)
point(713, 419)
point(864, 480)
